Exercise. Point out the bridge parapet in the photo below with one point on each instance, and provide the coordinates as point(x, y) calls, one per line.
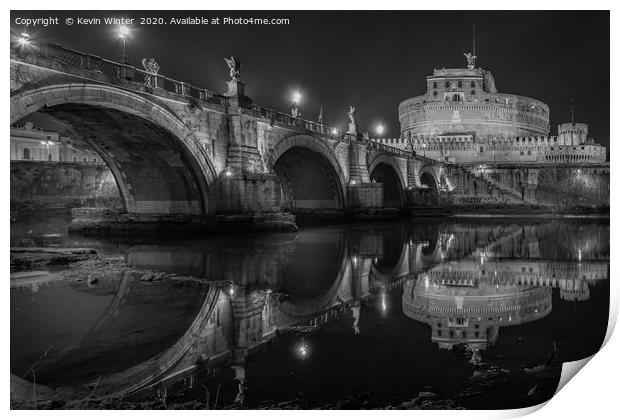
point(391, 150)
point(295, 122)
point(73, 62)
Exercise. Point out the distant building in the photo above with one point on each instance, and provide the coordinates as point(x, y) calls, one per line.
point(33, 144)
point(462, 118)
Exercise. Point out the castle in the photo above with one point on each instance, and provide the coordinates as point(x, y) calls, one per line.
point(462, 118)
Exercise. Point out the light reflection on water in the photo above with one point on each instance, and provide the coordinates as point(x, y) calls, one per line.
point(380, 310)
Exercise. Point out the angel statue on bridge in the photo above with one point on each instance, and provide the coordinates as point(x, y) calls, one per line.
point(471, 60)
point(150, 65)
point(351, 115)
point(235, 68)
point(152, 68)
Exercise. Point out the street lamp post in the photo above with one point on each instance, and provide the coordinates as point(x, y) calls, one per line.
point(123, 33)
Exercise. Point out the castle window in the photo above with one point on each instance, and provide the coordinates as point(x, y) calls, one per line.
point(473, 84)
point(447, 84)
point(26, 154)
point(460, 84)
point(522, 153)
point(434, 93)
point(529, 152)
point(473, 92)
point(434, 85)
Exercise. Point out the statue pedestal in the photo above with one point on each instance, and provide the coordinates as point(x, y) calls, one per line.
point(352, 129)
point(235, 88)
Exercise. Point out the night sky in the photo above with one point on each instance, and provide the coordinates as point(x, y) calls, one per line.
point(373, 59)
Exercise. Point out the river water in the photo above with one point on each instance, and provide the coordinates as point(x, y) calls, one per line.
point(478, 312)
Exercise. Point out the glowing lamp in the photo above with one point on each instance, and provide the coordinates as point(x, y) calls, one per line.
point(123, 32)
point(24, 39)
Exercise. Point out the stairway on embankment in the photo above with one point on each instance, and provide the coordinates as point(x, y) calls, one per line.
point(502, 189)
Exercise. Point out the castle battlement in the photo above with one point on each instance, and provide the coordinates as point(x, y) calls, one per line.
point(570, 146)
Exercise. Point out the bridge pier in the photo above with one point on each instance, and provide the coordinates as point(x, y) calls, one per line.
point(361, 193)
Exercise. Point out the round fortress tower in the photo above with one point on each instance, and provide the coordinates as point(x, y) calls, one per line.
point(572, 134)
point(466, 101)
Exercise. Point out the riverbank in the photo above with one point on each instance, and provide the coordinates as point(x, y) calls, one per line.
point(106, 222)
point(423, 401)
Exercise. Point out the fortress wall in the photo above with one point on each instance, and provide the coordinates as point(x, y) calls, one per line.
point(544, 149)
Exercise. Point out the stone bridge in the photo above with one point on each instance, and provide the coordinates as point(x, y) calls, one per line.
point(175, 149)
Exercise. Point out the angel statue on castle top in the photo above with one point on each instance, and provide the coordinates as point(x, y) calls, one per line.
point(471, 60)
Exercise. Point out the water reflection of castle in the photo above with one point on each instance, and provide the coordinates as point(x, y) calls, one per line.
point(466, 302)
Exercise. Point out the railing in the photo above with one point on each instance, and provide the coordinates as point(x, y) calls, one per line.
point(276, 116)
point(390, 149)
point(118, 71)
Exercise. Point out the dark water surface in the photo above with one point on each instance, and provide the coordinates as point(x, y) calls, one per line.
point(364, 315)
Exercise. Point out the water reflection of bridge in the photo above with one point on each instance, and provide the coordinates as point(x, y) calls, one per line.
point(466, 282)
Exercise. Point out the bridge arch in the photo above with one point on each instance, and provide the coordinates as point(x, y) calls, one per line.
point(157, 161)
point(430, 179)
point(310, 173)
point(385, 169)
